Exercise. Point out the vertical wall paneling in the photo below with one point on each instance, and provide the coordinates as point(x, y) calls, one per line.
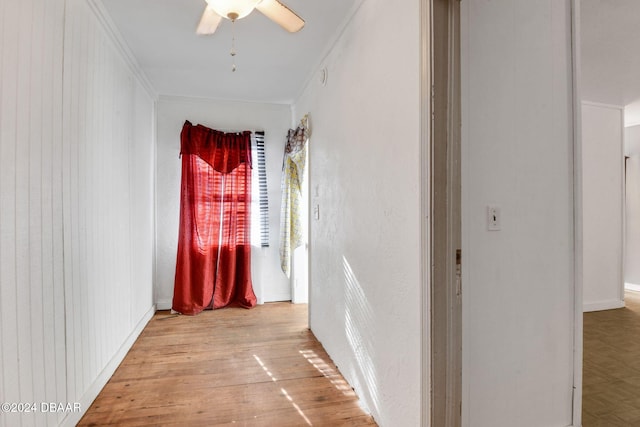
point(107, 137)
point(46, 294)
point(27, 152)
point(2, 167)
point(55, 367)
point(48, 229)
point(67, 168)
point(76, 202)
point(32, 354)
point(8, 120)
point(22, 198)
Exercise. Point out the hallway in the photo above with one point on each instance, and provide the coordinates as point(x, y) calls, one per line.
point(611, 376)
point(259, 367)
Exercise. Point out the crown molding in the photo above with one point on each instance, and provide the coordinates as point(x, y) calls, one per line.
point(114, 34)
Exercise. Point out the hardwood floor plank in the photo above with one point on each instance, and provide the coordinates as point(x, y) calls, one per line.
point(611, 370)
point(259, 367)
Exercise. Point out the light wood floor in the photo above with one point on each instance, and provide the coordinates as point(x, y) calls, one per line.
point(259, 367)
point(611, 376)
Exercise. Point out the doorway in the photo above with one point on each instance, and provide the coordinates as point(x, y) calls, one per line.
point(610, 119)
point(511, 121)
point(300, 258)
point(445, 257)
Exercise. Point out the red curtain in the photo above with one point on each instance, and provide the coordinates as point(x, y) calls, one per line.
point(213, 267)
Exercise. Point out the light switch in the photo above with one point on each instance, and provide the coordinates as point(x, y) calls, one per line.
point(494, 222)
point(316, 212)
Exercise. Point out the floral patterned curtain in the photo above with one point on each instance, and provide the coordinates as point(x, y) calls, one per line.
point(295, 155)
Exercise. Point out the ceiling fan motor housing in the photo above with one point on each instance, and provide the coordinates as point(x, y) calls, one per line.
point(233, 9)
point(236, 9)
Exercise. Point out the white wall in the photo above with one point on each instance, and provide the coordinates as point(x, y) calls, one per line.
point(602, 198)
point(364, 171)
point(632, 214)
point(76, 218)
point(518, 290)
point(632, 114)
point(32, 321)
point(270, 283)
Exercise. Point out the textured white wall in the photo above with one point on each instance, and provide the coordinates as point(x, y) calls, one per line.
point(364, 175)
point(518, 290)
point(270, 283)
point(76, 213)
point(602, 199)
point(632, 232)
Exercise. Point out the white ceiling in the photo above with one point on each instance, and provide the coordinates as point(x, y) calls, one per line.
point(272, 64)
point(610, 37)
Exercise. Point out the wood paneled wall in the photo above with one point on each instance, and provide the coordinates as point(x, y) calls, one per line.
point(32, 334)
point(76, 204)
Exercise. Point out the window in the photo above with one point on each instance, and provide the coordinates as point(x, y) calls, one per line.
point(260, 204)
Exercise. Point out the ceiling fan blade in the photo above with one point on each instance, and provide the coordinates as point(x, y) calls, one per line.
point(209, 22)
point(281, 15)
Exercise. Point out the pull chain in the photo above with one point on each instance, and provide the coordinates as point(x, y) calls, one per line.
point(233, 45)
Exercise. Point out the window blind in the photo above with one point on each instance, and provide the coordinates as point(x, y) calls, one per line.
point(262, 182)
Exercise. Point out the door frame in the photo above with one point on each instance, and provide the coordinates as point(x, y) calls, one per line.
point(425, 217)
point(428, 326)
point(577, 214)
point(442, 214)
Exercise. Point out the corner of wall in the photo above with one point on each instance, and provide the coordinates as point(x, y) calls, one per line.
point(113, 33)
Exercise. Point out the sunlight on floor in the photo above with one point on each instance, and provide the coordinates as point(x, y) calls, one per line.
point(328, 372)
point(282, 390)
point(266, 370)
point(295, 405)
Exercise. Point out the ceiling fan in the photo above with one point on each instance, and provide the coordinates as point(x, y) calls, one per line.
point(237, 9)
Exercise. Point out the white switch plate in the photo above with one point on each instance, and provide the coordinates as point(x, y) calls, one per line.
point(494, 221)
point(316, 212)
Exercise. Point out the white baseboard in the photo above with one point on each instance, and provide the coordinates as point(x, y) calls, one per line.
point(90, 395)
point(277, 298)
point(602, 305)
point(164, 304)
point(632, 287)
